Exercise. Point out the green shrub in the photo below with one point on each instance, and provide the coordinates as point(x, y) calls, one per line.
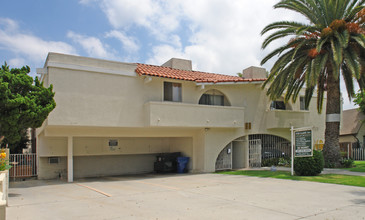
point(309, 166)
point(347, 163)
point(268, 162)
point(284, 161)
point(343, 154)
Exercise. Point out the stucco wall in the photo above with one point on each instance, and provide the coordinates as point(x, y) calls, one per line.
point(94, 166)
point(52, 171)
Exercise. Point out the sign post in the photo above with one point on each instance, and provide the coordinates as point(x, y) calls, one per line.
point(302, 144)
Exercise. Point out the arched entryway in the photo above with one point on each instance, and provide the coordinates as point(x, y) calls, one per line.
point(267, 146)
point(233, 155)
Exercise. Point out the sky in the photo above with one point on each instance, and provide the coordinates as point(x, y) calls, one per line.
point(218, 36)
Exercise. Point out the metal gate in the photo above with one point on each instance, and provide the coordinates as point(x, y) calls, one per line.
point(255, 153)
point(224, 159)
point(23, 165)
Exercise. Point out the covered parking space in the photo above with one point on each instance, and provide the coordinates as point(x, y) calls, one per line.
point(89, 152)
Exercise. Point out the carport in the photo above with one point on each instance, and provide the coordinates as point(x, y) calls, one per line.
point(103, 156)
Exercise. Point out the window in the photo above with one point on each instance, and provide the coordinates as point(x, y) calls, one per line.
point(213, 97)
point(302, 103)
point(172, 92)
point(278, 105)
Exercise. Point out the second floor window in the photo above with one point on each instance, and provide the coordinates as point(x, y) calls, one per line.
point(172, 92)
point(278, 105)
point(213, 97)
point(302, 103)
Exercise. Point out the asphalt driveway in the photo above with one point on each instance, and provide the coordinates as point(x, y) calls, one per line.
point(187, 196)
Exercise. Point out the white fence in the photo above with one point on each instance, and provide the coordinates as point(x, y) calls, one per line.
point(4, 187)
point(23, 165)
point(358, 154)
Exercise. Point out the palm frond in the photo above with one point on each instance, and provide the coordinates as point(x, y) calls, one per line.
point(360, 39)
point(282, 25)
point(347, 76)
point(299, 7)
point(279, 34)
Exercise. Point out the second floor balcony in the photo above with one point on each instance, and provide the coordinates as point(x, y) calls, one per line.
point(287, 118)
point(173, 114)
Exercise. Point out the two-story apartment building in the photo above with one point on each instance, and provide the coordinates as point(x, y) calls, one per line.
point(112, 118)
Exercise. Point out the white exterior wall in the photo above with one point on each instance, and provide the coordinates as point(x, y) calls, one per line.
point(98, 100)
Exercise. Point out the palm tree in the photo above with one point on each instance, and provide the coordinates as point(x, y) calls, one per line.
point(330, 45)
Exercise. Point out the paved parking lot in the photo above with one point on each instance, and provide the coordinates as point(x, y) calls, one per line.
point(187, 196)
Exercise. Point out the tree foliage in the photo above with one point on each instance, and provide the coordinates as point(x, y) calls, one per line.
point(24, 103)
point(360, 100)
point(330, 45)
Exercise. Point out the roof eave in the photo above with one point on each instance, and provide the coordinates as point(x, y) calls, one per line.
point(229, 83)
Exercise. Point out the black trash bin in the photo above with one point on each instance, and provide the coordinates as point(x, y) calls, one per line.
point(166, 162)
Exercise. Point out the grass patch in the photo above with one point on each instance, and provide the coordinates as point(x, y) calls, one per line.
point(359, 167)
point(324, 178)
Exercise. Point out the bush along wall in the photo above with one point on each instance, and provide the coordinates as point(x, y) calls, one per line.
point(309, 166)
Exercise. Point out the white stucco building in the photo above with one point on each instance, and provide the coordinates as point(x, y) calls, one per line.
point(112, 118)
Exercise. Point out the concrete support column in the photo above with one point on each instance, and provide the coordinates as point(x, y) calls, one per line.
point(246, 152)
point(70, 170)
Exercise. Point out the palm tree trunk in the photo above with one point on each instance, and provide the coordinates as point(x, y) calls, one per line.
point(331, 149)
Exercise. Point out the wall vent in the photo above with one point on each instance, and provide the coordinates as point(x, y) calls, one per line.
point(113, 143)
point(53, 160)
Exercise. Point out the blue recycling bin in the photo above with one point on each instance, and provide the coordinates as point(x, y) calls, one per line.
point(182, 164)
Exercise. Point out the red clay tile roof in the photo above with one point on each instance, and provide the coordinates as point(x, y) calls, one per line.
point(201, 77)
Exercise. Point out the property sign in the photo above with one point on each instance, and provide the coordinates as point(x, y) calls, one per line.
point(303, 143)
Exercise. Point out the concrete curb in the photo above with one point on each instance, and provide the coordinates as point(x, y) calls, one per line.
point(325, 171)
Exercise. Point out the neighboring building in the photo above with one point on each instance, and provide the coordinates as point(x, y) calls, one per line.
point(113, 118)
point(352, 129)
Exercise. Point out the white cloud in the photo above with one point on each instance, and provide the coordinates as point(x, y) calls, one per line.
point(27, 45)
point(224, 37)
point(16, 62)
point(130, 44)
point(92, 45)
point(163, 53)
point(122, 13)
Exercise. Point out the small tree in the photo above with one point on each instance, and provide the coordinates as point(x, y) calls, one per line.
point(360, 100)
point(24, 103)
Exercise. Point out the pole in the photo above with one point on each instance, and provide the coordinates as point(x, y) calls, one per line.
point(348, 151)
point(292, 150)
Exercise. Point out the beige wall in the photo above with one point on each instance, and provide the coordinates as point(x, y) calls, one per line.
point(94, 166)
point(52, 171)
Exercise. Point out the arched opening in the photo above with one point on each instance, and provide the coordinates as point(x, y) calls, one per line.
point(271, 146)
point(232, 156)
point(214, 97)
